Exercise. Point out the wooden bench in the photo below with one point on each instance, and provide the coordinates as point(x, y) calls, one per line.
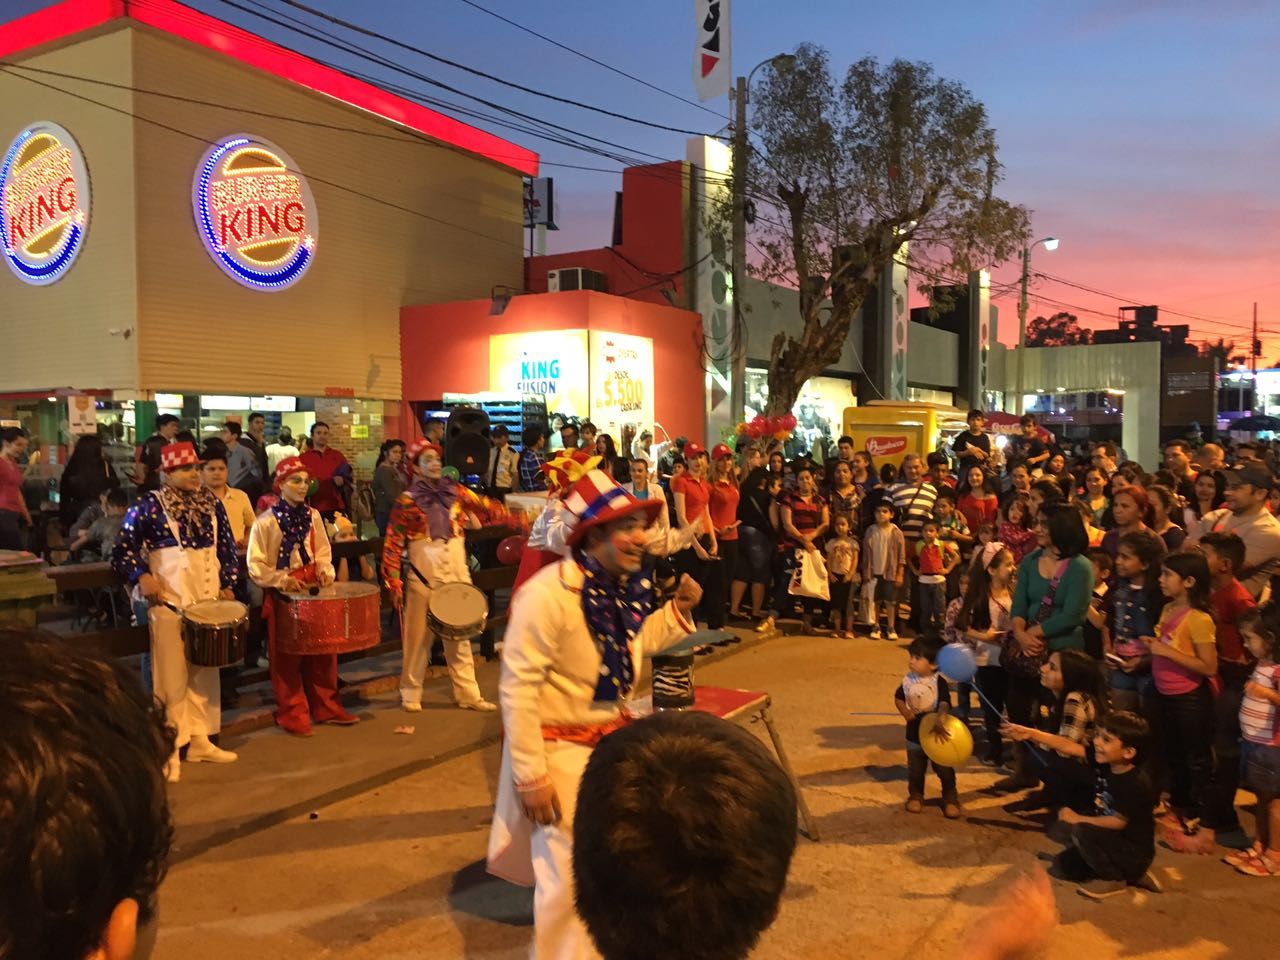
point(123, 641)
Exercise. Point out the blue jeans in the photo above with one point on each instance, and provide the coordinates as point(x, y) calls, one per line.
point(932, 598)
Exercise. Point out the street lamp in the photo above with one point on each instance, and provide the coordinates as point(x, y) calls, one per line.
point(780, 62)
point(1050, 244)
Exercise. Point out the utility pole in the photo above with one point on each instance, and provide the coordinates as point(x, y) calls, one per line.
point(737, 337)
point(1253, 356)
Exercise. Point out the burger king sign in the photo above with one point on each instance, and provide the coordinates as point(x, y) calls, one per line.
point(255, 213)
point(44, 210)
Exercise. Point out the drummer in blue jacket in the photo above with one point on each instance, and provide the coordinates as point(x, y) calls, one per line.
point(175, 549)
point(289, 552)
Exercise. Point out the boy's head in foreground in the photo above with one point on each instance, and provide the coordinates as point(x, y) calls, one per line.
point(683, 835)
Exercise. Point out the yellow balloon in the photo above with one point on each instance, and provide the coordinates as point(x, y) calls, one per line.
point(946, 740)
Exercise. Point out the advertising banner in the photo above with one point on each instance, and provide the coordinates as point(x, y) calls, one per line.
point(550, 364)
point(621, 382)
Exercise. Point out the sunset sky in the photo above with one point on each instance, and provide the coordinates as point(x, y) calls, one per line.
point(1144, 134)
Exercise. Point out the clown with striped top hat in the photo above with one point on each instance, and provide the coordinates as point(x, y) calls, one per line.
point(572, 659)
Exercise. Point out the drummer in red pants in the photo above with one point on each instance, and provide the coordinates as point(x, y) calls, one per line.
point(288, 550)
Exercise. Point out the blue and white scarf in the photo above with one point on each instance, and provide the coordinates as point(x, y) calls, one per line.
point(614, 611)
point(295, 525)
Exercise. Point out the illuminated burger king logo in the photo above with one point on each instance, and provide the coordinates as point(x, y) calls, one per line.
point(255, 213)
point(45, 207)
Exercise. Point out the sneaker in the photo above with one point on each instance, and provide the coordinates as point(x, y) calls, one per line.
point(409, 707)
point(173, 767)
point(202, 750)
point(876, 634)
point(951, 808)
point(1149, 883)
point(914, 805)
point(342, 720)
point(1237, 857)
point(892, 635)
point(482, 706)
point(766, 625)
point(1102, 889)
point(1264, 865)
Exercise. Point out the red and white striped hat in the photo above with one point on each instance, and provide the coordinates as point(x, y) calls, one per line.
point(175, 455)
point(596, 499)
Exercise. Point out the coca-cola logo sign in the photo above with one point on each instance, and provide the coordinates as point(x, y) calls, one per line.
point(886, 446)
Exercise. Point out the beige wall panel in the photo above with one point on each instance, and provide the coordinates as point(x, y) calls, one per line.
point(339, 325)
point(56, 336)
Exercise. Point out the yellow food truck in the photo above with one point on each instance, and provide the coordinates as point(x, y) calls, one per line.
point(890, 430)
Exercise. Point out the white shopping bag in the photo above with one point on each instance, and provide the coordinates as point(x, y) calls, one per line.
point(809, 578)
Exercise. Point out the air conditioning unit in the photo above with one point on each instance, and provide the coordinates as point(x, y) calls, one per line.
point(575, 278)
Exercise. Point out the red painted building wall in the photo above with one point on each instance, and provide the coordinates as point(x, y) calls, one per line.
point(444, 348)
point(655, 217)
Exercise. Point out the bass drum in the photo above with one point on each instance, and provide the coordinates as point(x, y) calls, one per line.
point(457, 611)
point(339, 618)
point(214, 632)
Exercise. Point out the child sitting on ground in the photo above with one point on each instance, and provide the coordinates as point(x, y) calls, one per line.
point(1260, 740)
point(923, 690)
point(1114, 847)
point(842, 568)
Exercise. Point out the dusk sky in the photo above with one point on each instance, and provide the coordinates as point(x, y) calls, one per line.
point(1143, 134)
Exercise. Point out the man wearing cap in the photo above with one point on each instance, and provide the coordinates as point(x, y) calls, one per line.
point(575, 645)
point(1246, 515)
point(176, 548)
point(427, 523)
point(289, 551)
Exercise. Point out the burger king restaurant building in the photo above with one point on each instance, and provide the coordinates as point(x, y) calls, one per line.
point(195, 218)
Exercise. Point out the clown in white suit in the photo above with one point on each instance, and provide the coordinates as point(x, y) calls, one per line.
point(573, 655)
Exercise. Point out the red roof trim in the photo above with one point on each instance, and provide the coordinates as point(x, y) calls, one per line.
point(56, 22)
point(75, 16)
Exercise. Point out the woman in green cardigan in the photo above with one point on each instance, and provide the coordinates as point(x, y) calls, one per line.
point(1045, 618)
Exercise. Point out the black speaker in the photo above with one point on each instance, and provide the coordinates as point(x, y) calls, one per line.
point(466, 441)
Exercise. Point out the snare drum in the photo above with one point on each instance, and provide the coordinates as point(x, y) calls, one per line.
point(457, 611)
point(340, 618)
point(214, 631)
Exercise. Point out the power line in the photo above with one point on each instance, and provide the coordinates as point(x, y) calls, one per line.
point(586, 56)
point(373, 34)
point(329, 183)
point(1132, 300)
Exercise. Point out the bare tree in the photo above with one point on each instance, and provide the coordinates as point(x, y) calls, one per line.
point(850, 171)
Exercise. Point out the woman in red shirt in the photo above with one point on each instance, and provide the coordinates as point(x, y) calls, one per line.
point(978, 503)
point(724, 517)
point(13, 508)
point(692, 494)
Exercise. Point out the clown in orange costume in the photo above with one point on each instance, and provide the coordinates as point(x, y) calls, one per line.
point(425, 535)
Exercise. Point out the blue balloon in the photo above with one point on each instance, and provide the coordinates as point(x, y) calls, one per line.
point(956, 662)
